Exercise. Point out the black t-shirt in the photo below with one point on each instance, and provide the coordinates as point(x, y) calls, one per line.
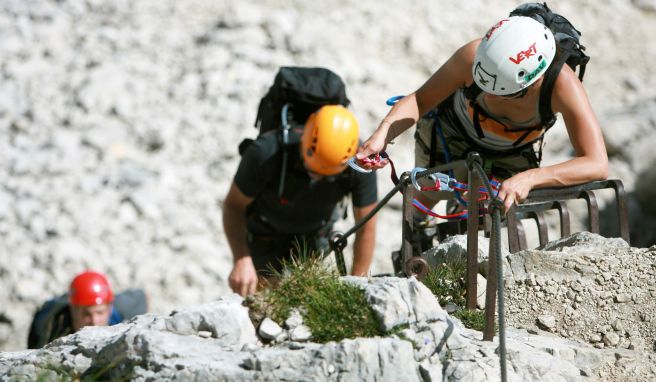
point(305, 205)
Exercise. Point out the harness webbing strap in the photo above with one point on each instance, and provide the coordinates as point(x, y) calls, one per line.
point(433, 146)
point(476, 120)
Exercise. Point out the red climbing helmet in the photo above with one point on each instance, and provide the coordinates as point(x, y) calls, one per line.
point(90, 288)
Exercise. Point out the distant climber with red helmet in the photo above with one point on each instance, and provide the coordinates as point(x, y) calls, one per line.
point(497, 95)
point(90, 301)
point(262, 226)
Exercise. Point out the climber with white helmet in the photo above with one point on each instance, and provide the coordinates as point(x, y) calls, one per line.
point(497, 95)
point(90, 301)
point(263, 226)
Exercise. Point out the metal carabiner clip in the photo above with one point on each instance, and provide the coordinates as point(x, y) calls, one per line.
point(354, 165)
point(443, 180)
point(440, 179)
point(413, 177)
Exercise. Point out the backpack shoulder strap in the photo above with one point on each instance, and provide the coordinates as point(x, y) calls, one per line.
point(50, 322)
point(293, 139)
point(546, 112)
point(472, 91)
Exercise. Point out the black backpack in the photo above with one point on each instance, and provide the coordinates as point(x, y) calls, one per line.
point(304, 90)
point(569, 51)
point(296, 93)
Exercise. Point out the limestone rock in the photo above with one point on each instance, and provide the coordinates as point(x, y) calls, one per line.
point(295, 319)
point(481, 288)
point(454, 249)
point(398, 301)
point(611, 339)
point(226, 319)
point(582, 240)
point(300, 333)
point(269, 329)
point(547, 321)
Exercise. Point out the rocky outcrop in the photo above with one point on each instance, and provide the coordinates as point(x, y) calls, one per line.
point(217, 342)
point(592, 289)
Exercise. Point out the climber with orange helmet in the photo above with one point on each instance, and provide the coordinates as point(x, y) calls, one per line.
point(90, 301)
point(262, 226)
point(497, 95)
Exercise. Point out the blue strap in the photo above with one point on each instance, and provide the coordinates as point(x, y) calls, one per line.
point(115, 317)
point(447, 156)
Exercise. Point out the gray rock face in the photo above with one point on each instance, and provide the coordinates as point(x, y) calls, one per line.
point(582, 240)
point(588, 292)
point(433, 346)
point(227, 321)
point(399, 301)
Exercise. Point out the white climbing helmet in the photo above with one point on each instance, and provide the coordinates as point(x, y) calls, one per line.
point(512, 55)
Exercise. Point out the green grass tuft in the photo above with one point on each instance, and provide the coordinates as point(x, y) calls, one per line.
point(472, 319)
point(447, 282)
point(331, 309)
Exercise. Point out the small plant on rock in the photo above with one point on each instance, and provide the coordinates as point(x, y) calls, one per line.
point(447, 282)
point(333, 310)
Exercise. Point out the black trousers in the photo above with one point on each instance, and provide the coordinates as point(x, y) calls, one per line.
point(270, 253)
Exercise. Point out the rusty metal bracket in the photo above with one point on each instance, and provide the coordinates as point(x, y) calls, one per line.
point(416, 266)
point(472, 229)
point(545, 199)
point(535, 211)
point(410, 258)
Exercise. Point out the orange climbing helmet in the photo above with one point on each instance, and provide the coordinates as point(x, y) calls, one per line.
point(90, 288)
point(330, 138)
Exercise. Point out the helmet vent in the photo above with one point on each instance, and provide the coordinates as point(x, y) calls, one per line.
point(540, 58)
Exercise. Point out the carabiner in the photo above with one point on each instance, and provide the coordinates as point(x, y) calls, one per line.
point(392, 100)
point(374, 158)
point(413, 177)
point(443, 180)
point(354, 165)
point(440, 179)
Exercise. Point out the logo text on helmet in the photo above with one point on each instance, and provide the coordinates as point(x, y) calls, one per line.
point(533, 74)
point(484, 77)
point(524, 54)
point(495, 27)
